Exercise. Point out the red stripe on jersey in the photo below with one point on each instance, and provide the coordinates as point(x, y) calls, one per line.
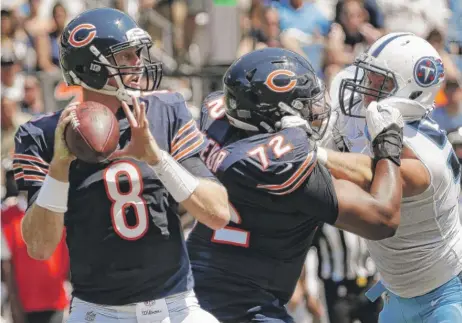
point(182, 143)
point(30, 158)
point(297, 175)
point(182, 130)
point(190, 148)
point(30, 167)
point(300, 182)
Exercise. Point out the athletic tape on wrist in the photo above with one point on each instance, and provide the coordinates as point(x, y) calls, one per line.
point(177, 180)
point(53, 195)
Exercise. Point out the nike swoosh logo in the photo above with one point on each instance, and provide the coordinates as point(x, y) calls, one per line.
point(286, 169)
point(434, 302)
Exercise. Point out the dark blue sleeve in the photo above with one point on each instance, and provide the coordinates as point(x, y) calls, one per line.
point(187, 140)
point(33, 152)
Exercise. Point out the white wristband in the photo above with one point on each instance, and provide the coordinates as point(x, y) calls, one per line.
point(177, 180)
point(53, 195)
point(322, 156)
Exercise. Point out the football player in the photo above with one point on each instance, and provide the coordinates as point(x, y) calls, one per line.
point(278, 192)
point(421, 265)
point(455, 138)
point(128, 257)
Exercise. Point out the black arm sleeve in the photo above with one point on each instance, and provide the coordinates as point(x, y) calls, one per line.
point(196, 166)
point(318, 197)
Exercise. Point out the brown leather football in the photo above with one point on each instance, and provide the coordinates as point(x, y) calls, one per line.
point(93, 133)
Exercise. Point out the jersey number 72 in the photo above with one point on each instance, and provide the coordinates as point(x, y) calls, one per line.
point(277, 146)
point(235, 236)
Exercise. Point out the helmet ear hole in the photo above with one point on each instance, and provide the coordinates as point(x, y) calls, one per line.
point(414, 95)
point(80, 69)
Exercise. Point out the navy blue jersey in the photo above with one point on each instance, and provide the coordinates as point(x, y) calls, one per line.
point(123, 231)
point(278, 195)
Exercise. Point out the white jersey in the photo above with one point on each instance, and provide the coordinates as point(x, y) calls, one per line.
point(426, 250)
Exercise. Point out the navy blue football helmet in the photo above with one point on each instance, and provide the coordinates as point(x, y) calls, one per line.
point(89, 44)
point(265, 85)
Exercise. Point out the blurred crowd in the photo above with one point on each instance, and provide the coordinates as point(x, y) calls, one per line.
point(329, 33)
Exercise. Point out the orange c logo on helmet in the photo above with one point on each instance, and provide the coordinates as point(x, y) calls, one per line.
point(269, 82)
point(87, 40)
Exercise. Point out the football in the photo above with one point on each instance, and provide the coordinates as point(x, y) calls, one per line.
point(93, 133)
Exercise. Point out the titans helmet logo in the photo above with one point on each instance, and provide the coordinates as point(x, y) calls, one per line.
point(428, 71)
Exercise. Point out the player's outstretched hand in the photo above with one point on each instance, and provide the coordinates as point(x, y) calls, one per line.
point(385, 125)
point(380, 117)
point(142, 145)
point(62, 155)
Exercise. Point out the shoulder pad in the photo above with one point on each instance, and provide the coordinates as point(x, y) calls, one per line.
point(410, 110)
point(41, 128)
point(214, 105)
point(278, 163)
point(212, 109)
point(213, 121)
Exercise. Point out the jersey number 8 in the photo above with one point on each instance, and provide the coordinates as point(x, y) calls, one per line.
point(123, 200)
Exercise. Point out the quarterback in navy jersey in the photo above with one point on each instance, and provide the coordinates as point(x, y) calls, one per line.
point(127, 252)
point(279, 193)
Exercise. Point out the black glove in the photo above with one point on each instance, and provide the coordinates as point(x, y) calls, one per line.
point(389, 144)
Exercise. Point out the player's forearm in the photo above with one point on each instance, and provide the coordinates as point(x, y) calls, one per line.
point(209, 204)
point(205, 200)
point(42, 230)
point(356, 168)
point(372, 215)
point(386, 188)
point(387, 147)
point(42, 227)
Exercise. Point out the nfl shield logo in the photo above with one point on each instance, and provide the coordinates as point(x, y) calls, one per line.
point(149, 303)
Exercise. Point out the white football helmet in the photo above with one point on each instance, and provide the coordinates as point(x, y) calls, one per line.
point(400, 65)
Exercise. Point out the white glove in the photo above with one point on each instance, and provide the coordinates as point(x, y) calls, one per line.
point(295, 122)
point(379, 117)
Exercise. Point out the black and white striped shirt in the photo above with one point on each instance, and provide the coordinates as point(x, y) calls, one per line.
point(342, 255)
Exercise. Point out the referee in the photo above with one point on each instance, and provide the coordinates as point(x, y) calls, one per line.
point(347, 272)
